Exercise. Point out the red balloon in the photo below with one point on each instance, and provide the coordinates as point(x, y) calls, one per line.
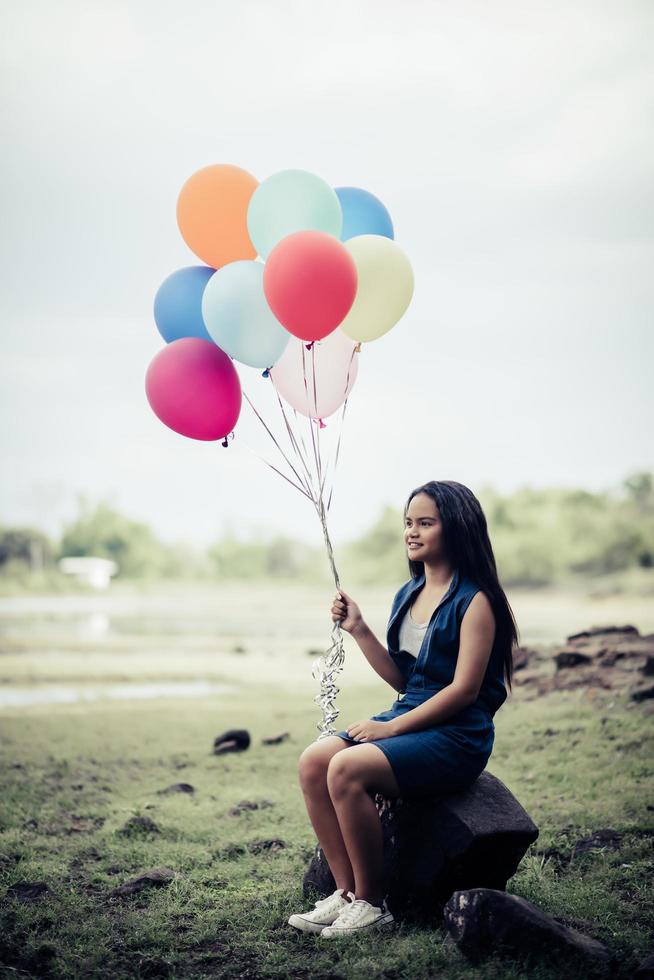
point(310, 281)
point(193, 387)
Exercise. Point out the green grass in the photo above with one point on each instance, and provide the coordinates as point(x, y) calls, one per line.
point(74, 775)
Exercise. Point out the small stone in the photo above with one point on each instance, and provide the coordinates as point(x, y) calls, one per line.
point(605, 837)
point(176, 788)
point(156, 878)
point(275, 739)
point(233, 740)
point(241, 806)
point(269, 844)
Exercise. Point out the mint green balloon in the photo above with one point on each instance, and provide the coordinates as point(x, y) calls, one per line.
point(292, 200)
point(237, 316)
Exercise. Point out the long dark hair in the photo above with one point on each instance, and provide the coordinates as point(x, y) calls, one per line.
point(468, 548)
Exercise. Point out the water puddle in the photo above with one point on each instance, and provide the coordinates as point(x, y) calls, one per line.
point(22, 697)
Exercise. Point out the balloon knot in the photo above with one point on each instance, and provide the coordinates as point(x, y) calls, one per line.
point(322, 424)
point(358, 347)
point(225, 443)
point(266, 373)
point(309, 346)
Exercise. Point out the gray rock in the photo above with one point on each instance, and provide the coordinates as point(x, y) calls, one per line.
point(481, 920)
point(176, 788)
point(435, 846)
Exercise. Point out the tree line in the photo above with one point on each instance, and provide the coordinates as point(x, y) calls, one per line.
point(540, 537)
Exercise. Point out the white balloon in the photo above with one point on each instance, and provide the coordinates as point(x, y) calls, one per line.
point(316, 382)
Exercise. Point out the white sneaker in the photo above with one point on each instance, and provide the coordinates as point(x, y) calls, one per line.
point(357, 917)
point(325, 912)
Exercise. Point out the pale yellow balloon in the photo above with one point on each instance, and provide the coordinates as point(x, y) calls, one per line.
point(384, 290)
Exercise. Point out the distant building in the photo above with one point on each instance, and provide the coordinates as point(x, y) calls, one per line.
point(95, 571)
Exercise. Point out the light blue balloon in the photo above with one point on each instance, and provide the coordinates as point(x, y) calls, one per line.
point(178, 303)
point(292, 200)
point(363, 214)
point(238, 318)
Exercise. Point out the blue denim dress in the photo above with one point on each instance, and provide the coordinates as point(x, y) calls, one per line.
point(447, 757)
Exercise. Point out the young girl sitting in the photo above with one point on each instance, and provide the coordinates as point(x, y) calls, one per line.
point(450, 639)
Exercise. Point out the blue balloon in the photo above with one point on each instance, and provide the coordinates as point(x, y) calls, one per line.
point(363, 214)
point(178, 303)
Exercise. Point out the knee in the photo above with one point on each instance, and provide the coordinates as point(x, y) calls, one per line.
point(343, 776)
point(312, 768)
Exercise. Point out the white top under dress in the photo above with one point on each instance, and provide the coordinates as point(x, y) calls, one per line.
point(411, 634)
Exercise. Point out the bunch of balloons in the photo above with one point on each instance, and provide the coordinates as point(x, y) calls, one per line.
point(287, 261)
point(290, 264)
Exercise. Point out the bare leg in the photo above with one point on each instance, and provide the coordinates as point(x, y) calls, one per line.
point(313, 766)
point(353, 779)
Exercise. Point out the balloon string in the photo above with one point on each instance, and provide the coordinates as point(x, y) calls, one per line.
point(315, 401)
point(338, 448)
point(327, 667)
point(309, 481)
point(355, 350)
point(278, 446)
point(272, 467)
point(313, 435)
point(299, 432)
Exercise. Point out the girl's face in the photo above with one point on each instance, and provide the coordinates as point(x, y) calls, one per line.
point(423, 531)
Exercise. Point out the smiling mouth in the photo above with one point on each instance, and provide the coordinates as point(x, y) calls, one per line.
point(414, 546)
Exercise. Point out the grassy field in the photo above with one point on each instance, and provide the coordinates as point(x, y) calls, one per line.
point(74, 774)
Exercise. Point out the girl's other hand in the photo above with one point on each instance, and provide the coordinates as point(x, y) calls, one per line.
point(345, 609)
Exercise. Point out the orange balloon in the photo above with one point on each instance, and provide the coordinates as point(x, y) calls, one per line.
point(212, 212)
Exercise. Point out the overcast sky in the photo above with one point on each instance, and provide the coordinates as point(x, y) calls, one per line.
point(512, 143)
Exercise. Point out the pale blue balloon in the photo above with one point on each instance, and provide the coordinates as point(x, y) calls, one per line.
point(237, 316)
point(292, 200)
point(363, 214)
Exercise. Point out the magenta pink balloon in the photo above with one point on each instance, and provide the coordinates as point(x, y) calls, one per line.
point(193, 387)
point(310, 281)
point(316, 382)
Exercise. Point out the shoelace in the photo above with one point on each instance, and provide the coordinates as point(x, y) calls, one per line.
point(351, 913)
point(326, 901)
